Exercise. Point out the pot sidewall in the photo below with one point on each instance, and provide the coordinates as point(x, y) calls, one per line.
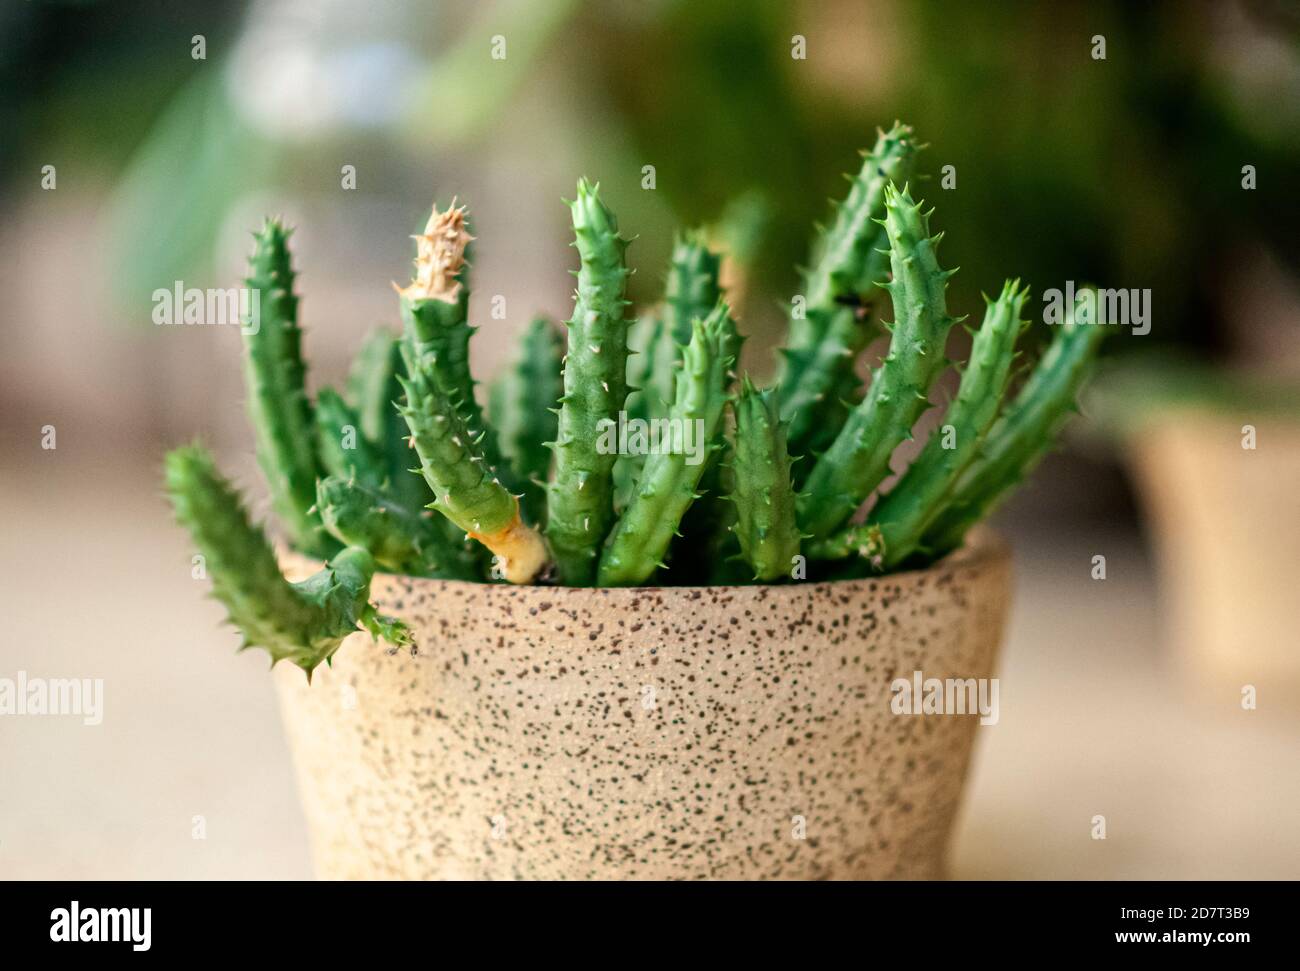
point(730, 732)
point(1226, 525)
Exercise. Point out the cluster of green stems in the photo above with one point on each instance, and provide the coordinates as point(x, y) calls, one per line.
point(723, 480)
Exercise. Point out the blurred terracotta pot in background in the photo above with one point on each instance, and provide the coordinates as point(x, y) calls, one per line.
point(727, 732)
point(1226, 521)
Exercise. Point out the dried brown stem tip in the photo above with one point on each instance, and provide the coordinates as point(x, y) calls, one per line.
point(439, 256)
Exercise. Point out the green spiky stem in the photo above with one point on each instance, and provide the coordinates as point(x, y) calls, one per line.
point(655, 341)
point(399, 540)
point(374, 388)
point(706, 526)
point(372, 384)
point(858, 460)
point(627, 469)
point(580, 497)
point(466, 488)
point(442, 332)
point(343, 448)
point(849, 261)
point(819, 397)
point(278, 405)
point(435, 316)
point(301, 622)
point(1023, 434)
point(668, 482)
point(691, 290)
point(651, 365)
point(727, 567)
point(904, 513)
point(524, 400)
point(651, 370)
point(762, 492)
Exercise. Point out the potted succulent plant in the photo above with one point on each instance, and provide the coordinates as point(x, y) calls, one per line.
point(637, 623)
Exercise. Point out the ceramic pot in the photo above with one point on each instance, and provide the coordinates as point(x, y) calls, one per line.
point(1226, 524)
point(652, 733)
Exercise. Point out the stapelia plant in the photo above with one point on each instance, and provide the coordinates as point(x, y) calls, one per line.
point(623, 449)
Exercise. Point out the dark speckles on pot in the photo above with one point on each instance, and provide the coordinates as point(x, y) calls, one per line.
point(646, 733)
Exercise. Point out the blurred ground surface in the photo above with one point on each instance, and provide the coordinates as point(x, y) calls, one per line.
point(95, 583)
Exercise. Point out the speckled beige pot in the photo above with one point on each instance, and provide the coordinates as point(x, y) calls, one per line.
point(551, 733)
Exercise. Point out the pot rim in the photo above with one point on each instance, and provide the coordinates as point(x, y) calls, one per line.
point(984, 547)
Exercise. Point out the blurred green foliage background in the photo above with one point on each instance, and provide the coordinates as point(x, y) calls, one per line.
point(1126, 171)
